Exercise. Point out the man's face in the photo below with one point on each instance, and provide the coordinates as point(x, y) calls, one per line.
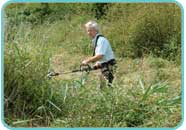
point(91, 32)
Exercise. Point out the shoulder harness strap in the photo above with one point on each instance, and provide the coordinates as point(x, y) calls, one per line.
point(96, 43)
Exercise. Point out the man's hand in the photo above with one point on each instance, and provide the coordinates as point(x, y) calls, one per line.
point(97, 66)
point(84, 62)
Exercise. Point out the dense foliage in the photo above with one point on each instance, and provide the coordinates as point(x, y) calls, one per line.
point(44, 36)
point(139, 29)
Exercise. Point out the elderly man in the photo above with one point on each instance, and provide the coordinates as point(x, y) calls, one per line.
point(103, 55)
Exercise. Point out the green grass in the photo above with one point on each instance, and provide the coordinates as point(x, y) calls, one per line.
point(146, 91)
point(143, 96)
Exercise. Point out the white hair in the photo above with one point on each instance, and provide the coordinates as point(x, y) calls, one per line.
point(92, 24)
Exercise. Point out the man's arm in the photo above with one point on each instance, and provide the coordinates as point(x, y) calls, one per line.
point(92, 59)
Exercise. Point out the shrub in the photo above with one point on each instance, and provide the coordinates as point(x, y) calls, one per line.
point(149, 29)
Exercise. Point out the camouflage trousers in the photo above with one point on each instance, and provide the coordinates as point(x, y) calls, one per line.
point(107, 75)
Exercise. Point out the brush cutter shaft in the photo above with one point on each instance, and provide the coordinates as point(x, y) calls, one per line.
point(85, 68)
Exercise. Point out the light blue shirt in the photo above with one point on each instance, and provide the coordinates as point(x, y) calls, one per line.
point(103, 48)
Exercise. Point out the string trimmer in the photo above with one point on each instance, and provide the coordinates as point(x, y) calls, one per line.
point(83, 68)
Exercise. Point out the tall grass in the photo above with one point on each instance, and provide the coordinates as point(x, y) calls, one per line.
point(146, 91)
point(137, 32)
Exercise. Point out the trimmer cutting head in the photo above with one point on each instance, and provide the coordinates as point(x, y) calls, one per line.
point(51, 74)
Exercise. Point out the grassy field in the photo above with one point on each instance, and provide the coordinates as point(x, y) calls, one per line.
point(146, 91)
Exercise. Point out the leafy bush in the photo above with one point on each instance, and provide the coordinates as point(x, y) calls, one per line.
point(156, 31)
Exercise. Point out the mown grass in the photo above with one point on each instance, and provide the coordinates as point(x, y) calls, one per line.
point(146, 91)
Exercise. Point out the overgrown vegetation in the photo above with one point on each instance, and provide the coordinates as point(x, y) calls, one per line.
point(146, 38)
